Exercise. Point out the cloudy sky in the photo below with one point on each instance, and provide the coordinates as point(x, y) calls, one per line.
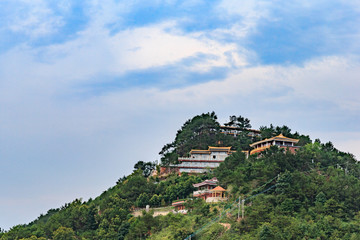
point(88, 88)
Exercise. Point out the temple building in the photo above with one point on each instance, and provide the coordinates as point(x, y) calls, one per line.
point(179, 206)
point(202, 160)
point(209, 191)
point(234, 131)
point(281, 141)
point(203, 188)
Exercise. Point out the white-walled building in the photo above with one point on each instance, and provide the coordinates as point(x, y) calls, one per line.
point(234, 131)
point(201, 160)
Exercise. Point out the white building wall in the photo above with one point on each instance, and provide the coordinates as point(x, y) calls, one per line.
point(189, 170)
point(211, 161)
point(199, 164)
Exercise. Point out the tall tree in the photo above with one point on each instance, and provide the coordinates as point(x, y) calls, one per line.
point(267, 132)
point(199, 132)
point(146, 167)
point(64, 233)
point(240, 122)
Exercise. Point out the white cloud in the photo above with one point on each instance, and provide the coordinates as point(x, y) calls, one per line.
point(330, 78)
point(333, 79)
point(93, 53)
point(41, 115)
point(344, 141)
point(33, 18)
point(248, 12)
point(246, 9)
point(157, 45)
point(106, 12)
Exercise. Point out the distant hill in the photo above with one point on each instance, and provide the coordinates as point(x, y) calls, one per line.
point(312, 194)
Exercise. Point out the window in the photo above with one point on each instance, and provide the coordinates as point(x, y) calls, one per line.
point(214, 157)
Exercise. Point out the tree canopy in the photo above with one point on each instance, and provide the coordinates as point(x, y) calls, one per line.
point(312, 194)
point(203, 131)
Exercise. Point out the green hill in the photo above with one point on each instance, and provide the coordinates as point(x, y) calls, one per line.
point(313, 194)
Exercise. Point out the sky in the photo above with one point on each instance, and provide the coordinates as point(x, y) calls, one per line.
point(88, 88)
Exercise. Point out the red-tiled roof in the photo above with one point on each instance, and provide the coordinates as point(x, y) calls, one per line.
point(181, 202)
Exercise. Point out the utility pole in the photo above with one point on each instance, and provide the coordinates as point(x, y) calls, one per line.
point(346, 169)
point(239, 208)
point(243, 209)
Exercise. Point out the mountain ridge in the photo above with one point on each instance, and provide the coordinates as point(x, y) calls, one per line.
point(312, 194)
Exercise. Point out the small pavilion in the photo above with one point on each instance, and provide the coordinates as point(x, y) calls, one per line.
point(218, 192)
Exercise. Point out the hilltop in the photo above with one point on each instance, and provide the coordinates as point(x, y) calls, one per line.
point(312, 193)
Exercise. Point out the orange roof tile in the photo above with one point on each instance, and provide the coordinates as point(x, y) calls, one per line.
point(219, 148)
point(279, 137)
point(218, 189)
point(211, 149)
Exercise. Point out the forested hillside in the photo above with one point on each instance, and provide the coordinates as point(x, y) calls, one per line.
point(313, 194)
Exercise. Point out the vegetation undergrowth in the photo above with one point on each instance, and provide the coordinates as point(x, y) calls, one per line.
point(312, 194)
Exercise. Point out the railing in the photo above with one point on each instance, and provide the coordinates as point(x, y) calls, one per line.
point(185, 158)
point(259, 149)
point(199, 192)
point(216, 199)
point(179, 200)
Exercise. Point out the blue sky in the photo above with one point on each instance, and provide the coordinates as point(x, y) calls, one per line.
point(89, 88)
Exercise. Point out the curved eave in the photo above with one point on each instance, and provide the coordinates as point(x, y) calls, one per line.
point(277, 138)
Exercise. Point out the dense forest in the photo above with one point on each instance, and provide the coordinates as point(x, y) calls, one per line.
point(312, 194)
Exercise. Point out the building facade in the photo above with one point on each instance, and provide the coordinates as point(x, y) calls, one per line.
point(210, 191)
point(179, 206)
point(281, 141)
point(204, 188)
point(234, 131)
point(202, 160)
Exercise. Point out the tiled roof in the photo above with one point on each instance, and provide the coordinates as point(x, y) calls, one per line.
point(277, 138)
point(218, 189)
point(212, 182)
point(211, 149)
point(240, 129)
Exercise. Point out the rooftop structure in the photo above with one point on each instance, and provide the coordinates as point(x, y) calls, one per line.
point(281, 141)
point(209, 191)
point(179, 206)
point(201, 160)
point(232, 130)
point(207, 184)
point(218, 194)
point(203, 188)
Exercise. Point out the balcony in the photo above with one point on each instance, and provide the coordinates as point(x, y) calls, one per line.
point(216, 199)
point(201, 192)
